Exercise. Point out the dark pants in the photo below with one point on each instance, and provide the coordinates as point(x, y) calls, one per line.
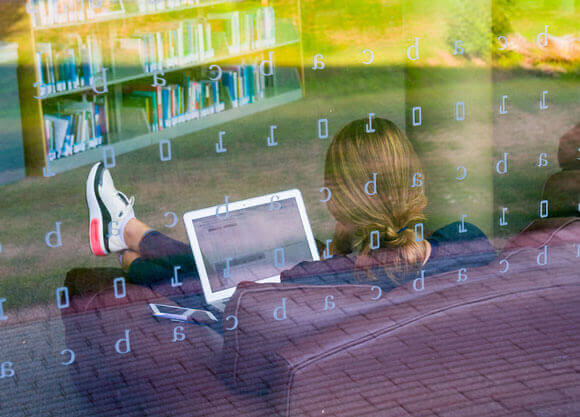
point(156, 267)
point(159, 256)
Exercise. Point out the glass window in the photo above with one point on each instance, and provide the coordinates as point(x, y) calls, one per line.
point(289, 207)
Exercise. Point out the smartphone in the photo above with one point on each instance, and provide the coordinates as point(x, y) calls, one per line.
point(189, 315)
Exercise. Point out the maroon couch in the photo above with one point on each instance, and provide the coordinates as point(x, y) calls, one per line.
point(495, 344)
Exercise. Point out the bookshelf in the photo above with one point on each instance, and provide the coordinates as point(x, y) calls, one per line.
point(11, 151)
point(70, 114)
point(141, 141)
point(132, 14)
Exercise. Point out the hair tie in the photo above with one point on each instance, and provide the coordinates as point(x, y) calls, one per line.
point(402, 230)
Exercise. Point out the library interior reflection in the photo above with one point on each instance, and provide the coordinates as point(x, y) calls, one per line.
point(289, 208)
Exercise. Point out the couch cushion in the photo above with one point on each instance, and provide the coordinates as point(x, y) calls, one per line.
point(467, 348)
point(246, 362)
point(250, 361)
point(506, 354)
point(158, 376)
point(329, 372)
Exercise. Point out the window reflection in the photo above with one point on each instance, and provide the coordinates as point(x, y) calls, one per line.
point(321, 196)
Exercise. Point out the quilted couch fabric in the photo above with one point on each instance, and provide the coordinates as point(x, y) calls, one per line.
point(496, 344)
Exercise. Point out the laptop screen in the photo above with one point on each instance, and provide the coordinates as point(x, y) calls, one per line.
point(252, 244)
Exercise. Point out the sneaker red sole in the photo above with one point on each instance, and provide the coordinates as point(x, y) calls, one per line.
point(94, 238)
point(96, 231)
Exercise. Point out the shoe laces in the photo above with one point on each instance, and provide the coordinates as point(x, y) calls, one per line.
point(116, 223)
point(130, 202)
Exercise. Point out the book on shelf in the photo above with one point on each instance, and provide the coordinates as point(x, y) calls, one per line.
point(247, 30)
point(178, 44)
point(45, 13)
point(76, 127)
point(165, 106)
point(68, 64)
point(265, 32)
point(160, 5)
point(244, 84)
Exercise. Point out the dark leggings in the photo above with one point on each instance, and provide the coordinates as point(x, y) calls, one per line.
point(155, 268)
point(159, 255)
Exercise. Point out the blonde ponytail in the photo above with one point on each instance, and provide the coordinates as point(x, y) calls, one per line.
point(355, 157)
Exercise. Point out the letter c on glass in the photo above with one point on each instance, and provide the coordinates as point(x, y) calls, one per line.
point(371, 56)
point(235, 319)
point(219, 70)
point(174, 222)
point(72, 357)
point(329, 195)
point(503, 40)
point(507, 266)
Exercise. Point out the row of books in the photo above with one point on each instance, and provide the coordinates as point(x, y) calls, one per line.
point(183, 43)
point(191, 41)
point(74, 62)
point(160, 5)
point(80, 125)
point(57, 12)
point(162, 107)
point(46, 13)
point(248, 30)
point(243, 84)
point(73, 126)
point(69, 64)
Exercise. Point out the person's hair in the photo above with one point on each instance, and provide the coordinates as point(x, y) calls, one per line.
point(353, 159)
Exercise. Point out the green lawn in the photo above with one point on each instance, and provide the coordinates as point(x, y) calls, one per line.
point(197, 177)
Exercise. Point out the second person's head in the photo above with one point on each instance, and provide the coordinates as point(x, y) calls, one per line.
point(371, 176)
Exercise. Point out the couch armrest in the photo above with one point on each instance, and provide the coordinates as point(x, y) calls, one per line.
point(309, 353)
point(247, 362)
point(300, 310)
point(132, 361)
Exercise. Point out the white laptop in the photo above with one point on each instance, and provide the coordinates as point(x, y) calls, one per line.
point(249, 240)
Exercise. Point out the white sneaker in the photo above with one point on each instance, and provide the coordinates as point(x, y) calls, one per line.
point(109, 211)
